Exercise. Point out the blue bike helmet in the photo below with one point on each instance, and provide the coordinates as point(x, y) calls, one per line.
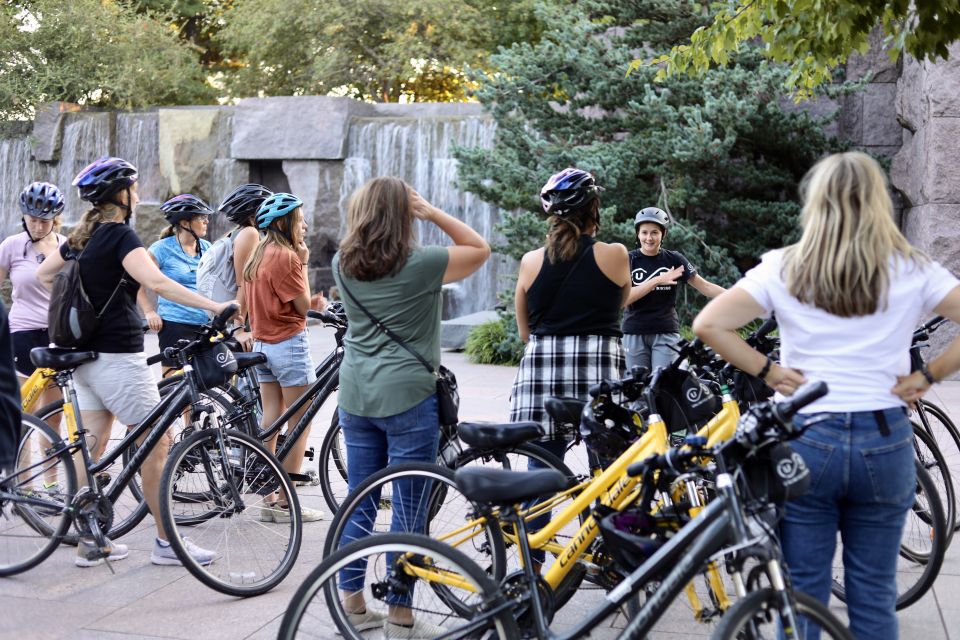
point(102, 178)
point(243, 202)
point(276, 206)
point(41, 200)
point(568, 191)
point(184, 207)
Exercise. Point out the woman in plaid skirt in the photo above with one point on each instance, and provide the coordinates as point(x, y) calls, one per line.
point(568, 299)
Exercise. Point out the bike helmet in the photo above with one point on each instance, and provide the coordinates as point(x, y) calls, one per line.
point(41, 200)
point(243, 202)
point(276, 206)
point(652, 214)
point(568, 191)
point(607, 438)
point(102, 178)
point(184, 207)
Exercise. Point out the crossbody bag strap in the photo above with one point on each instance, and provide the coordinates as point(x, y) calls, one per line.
point(383, 327)
point(556, 296)
point(123, 278)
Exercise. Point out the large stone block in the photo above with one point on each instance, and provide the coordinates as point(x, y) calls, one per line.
point(906, 169)
point(148, 222)
point(317, 183)
point(880, 114)
point(293, 127)
point(454, 332)
point(911, 103)
point(941, 162)
point(189, 140)
point(876, 61)
point(941, 85)
point(47, 129)
point(850, 119)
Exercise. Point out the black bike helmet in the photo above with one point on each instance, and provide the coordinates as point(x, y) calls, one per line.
point(184, 207)
point(652, 214)
point(102, 178)
point(41, 200)
point(568, 191)
point(607, 438)
point(242, 203)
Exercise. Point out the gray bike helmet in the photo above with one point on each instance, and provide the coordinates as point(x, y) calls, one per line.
point(652, 214)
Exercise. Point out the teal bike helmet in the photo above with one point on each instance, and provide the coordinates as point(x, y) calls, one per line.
point(276, 206)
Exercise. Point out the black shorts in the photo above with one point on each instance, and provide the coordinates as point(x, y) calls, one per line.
point(23, 341)
point(173, 331)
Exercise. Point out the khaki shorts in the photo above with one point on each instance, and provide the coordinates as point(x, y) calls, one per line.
point(120, 383)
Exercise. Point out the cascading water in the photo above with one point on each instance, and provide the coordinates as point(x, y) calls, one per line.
point(17, 170)
point(138, 142)
point(86, 137)
point(420, 151)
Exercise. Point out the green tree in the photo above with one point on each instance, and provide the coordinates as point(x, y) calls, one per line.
point(94, 52)
point(813, 37)
point(723, 152)
point(379, 50)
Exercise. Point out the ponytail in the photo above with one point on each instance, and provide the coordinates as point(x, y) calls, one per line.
point(563, 233)
point(166, 233)
point(81, 233)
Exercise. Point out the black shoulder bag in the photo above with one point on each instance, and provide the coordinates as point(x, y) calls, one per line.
point(448, 395)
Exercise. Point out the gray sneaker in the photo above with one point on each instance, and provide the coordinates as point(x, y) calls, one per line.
point(87, 550)
point(163, 554)
point(419, 630)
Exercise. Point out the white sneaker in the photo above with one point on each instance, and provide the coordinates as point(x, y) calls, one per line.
point(365, 621)
point(87, 548)
point(163, 554)
point(419, 630)
point(281, 515)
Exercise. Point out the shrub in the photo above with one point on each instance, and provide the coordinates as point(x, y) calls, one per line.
point(495, 342)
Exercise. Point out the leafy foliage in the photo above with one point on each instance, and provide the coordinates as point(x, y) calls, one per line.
point(379, 50)
point(723, 153)
point(92, 52)
point(813, 37)
point(495, 342)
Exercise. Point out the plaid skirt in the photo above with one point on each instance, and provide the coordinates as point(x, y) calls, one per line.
point(562, 366)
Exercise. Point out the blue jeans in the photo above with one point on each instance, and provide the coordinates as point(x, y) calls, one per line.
point(372, 444)
point(863, 484)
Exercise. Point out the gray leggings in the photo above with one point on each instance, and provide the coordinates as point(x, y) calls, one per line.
point(650, 350)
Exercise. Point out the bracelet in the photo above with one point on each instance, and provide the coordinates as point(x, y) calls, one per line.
point(766, 369)
point(926, 373)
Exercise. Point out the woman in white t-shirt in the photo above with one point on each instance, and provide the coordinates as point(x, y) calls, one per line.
point(847, 297)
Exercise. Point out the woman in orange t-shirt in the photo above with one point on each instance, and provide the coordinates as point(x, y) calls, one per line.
point(278, 298)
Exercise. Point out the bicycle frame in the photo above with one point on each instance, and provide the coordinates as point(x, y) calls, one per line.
point(33, 386)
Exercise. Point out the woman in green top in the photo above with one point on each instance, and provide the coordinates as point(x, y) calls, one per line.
point(387, 400)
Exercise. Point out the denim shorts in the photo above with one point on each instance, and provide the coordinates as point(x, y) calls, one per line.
point(288, 361)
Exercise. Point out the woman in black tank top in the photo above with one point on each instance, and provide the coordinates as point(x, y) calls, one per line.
point(568, 299)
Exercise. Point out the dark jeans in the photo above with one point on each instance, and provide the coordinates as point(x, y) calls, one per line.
point(863, 483)
point(558, 447)
point(372, 444)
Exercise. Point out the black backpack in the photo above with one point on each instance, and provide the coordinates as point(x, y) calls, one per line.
point(72, 319)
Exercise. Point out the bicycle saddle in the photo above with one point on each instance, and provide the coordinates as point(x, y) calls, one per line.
point(493, 435)
point(246, 360)
point(500, 487)
point(59, 359)
point(565, 413)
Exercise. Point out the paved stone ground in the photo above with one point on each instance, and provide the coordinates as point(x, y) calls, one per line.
point(142, 601)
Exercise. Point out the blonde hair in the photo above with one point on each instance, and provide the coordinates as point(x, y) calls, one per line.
point(379, 234)
point(280, 232)
point(563, 232)
point(81, 232)
point(842, 262)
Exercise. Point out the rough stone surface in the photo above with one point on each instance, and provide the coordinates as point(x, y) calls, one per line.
point(906, 168)
point(454, 332)
point(188, 139)
point(941, 163)
point(47, 130)
point(850, 120)
point(941, 85)
point(934, 228)
point(879, 112)
point(317, 183)
point(148, 222)
point(911, 104)
point(876, 61)
point(293, 128)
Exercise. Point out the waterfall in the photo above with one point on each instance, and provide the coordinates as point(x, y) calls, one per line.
point(86, 137)
point(17, 170)
point(420, 151)
point(138, 143)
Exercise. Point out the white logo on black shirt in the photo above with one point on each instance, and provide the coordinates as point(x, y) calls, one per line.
point(639, 276)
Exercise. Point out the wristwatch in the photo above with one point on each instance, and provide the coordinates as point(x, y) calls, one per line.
point(926, 373)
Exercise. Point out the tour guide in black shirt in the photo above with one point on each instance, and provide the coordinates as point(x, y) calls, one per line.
point(650, 325)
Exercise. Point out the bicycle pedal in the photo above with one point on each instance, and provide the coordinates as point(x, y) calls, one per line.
point(312, 481)
point(300, 479)
point(309, 453)
point(103, 479)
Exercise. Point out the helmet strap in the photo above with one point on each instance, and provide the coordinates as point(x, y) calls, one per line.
point(196, 238)
point(23, 222)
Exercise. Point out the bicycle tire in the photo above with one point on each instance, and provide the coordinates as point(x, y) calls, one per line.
point(333, 465)
point(126, 515)
point(933, 460)
point(939, 425)
point(572, 581)
point(237, 475)
point(762, 606)
point(444, 510)
point(19, 521)
point(299, 622)
point(926, 572)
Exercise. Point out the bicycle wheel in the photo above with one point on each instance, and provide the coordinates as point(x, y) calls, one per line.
point(417, 497)
point(921, 547)
point(759, 615)
point(333, 465)
point(381, 574)
point(130, 508)
point(34, 498)
point(931, 458)
point(936, 423)
point(519, 458)
point(233, 475)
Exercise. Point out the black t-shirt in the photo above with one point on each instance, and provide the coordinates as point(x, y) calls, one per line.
point(101, 267)
point(655, 312)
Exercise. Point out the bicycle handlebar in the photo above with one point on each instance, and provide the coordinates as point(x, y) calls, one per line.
point(923, 332)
